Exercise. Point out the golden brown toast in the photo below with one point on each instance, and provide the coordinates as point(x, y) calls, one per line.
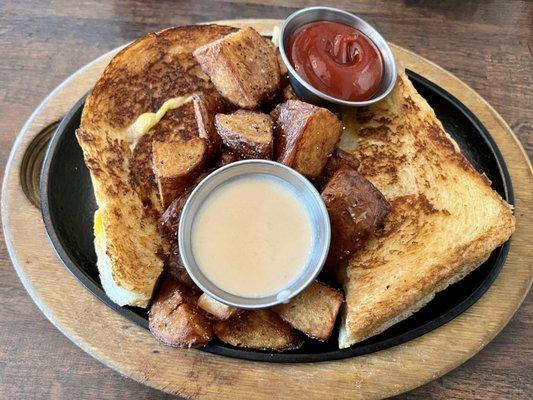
point(243, 66)
point(314, 311)
point(139, 79)
point(247, 133)
point(445, 219)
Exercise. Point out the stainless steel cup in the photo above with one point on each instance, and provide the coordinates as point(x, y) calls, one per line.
point(306, 193)
point(305, 90)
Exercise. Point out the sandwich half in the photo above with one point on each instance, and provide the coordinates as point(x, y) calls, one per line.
point(143, 96)
point(445, 219)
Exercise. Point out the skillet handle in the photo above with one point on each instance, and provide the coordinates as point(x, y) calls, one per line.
point(32, 161)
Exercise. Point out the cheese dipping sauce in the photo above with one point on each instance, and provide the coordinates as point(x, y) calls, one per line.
point(252, 236)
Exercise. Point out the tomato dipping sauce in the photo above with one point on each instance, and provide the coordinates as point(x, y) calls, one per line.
point(336, 59)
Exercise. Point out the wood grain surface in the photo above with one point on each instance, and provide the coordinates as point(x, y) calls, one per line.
point(485, 44)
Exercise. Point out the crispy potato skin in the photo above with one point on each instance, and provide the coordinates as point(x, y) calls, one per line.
point(314, 311)
point(288, 93)
point(356, 209)
point(170, 219)
point(258, 329)
point(306, 136)
point(243, 66)
point(338, 158)
point(227, 156)
point(175, 268)
point(249, 134)
point(177, 164)
point(206, 106)
point(175, 320)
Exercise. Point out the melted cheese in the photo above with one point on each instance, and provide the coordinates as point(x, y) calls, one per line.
point(147, 121)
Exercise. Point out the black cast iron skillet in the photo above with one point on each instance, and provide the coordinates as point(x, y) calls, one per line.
point(68, 205)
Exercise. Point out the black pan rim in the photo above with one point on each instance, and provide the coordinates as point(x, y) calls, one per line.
point(252, 355)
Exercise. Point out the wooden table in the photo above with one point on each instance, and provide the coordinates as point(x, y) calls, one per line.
point(487, 45)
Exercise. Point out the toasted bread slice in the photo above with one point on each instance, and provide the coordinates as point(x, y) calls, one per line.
point(314, 311)
point(206, 106)
point(177, 164)
point(307, 136)
point(139, 79)
point(444, 222)
point(258, 329)
point(216, 308)
point(355, 208)
point(243, 66)
point(174, 318)
point(248, 133)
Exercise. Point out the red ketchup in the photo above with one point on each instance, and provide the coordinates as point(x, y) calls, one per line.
point(336, 59)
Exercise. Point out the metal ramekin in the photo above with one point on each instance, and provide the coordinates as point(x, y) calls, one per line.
point(305, 90)
point(307, 193)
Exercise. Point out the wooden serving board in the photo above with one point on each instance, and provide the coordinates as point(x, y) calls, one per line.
point(131, 350)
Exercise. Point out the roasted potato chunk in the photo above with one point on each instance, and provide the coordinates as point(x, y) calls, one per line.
point(356, 208)
point(337, 159)
point(227, 156)
point(288, 93)
point(175, 268)
point(176, 165)
point(174, 318)
point(243, 66)
point(306, 136)
point(314, 311)
point(248, 133)
point(258, 329)
point(170, 219)
point(217, 309)
point(206, 106)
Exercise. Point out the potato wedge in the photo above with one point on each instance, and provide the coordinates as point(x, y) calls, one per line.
point(175, 320)
point(314, 311)
point(337, 159)
point(243, 66)
point(227, 156)
point(306, 136)
point(248, 133)
point(206, 106)
point(170, 219)
point(176, 165)
point(288, 93)
point(258, 329)
point(174, 267)
point(356, 209)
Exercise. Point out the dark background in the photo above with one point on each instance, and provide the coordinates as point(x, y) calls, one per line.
point(488, 44)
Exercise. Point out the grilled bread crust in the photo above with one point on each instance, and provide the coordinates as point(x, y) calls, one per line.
point(445, 219)
point(139, 79)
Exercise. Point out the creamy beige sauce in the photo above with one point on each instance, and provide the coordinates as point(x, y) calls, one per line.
point(252, 236)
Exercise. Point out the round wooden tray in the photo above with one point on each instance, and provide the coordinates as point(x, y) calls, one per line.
point(131, 350)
